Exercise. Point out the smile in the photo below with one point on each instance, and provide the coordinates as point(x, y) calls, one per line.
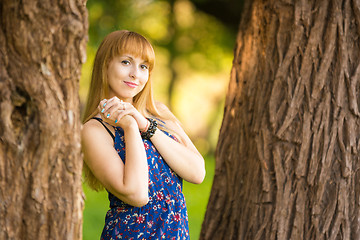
point(131, 84)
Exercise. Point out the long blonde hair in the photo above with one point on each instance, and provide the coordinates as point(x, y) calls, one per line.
point(113, 45)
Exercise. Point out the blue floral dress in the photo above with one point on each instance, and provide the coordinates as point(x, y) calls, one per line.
point(165, 215)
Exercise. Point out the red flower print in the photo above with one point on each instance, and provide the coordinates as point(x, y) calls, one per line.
point(163, 218)
point(167, 180)
point(150, 223)
point(168, 200)
point(177, 217)
point(140, 219)
point(159, 196)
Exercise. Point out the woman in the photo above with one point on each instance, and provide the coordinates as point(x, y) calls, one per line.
point(134, 147)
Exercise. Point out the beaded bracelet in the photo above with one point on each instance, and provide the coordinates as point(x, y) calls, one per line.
point(151, 130)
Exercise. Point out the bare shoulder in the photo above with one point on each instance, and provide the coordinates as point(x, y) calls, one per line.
point(169, 118)
point(91, 126)
point(162, 108)
point(93, 129)
point(173, 124)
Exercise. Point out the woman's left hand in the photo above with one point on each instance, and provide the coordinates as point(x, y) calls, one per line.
point(117, 109)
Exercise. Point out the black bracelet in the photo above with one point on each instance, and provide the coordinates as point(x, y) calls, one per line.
point(151, 130)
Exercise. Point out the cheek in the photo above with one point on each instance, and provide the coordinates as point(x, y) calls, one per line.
point(110, 73)
point(145, 78)
point(144, 82)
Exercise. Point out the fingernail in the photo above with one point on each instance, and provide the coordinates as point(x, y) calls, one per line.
point(103, 110)
point(104, 105)
point(108, 115)
point(116, 121)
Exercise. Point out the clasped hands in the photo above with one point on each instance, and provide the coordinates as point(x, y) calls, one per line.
point(122, 114)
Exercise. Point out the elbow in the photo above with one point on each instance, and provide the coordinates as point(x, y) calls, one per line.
point(199, 177)
point(140, 201)
point(134, 198)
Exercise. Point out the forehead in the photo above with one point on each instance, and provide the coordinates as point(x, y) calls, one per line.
point(134, 47)
point(132, 57)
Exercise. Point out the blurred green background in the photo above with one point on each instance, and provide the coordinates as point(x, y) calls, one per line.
point(194, 52)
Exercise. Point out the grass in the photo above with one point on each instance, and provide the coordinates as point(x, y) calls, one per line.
point(96, 205)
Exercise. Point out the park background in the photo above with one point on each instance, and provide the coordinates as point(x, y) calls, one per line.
point(194, 52)
point(287, 156)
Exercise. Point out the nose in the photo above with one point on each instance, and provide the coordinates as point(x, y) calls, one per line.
point(133, 72)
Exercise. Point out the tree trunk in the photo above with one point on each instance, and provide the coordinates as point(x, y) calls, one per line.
point(287, 160)
point(42, 47)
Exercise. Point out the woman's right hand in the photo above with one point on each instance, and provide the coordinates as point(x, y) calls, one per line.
point(115, 109)
point(110, 114)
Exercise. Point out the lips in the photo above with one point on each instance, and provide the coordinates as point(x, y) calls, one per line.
point(131, 84)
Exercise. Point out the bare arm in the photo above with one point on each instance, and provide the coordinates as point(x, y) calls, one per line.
point(184, 159)
point(129, 181)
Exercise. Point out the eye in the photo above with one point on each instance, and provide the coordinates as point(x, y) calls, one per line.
point(144, 66)
point(125, 62)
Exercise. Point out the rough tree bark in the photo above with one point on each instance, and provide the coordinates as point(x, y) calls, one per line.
point(287, 161)
point(42, 47)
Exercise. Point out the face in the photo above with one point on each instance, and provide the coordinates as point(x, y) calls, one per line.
point(127, 76)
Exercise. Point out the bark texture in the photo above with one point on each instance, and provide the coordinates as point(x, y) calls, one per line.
point(287, 160)
point(42, 47)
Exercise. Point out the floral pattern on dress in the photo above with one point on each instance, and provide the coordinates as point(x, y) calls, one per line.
point(163, 217)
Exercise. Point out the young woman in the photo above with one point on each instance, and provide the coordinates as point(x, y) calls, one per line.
point(135, 148)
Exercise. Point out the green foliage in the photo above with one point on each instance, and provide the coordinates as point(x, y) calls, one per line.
point(96, 206)
point(197, 198)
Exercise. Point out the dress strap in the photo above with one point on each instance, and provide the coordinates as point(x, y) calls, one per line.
point(107, 129)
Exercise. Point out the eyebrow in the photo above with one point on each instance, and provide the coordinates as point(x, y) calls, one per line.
point(133, 58)
point(127, 56)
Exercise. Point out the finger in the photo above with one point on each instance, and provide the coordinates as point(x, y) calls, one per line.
point(112, 107)
point(102, 104)
point(127, 106)
point(108, 105)
point(123, 105)
point(121, 114)
point(113, 99)
point(110, 119)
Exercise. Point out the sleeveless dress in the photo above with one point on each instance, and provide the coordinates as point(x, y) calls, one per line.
point(163, 217)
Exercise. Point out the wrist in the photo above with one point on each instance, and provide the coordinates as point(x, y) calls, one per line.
point(132, 125)
point(146, 126)
point(150, 130)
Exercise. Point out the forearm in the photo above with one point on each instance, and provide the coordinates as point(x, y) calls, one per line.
point(186, 162)
point(136, 168)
